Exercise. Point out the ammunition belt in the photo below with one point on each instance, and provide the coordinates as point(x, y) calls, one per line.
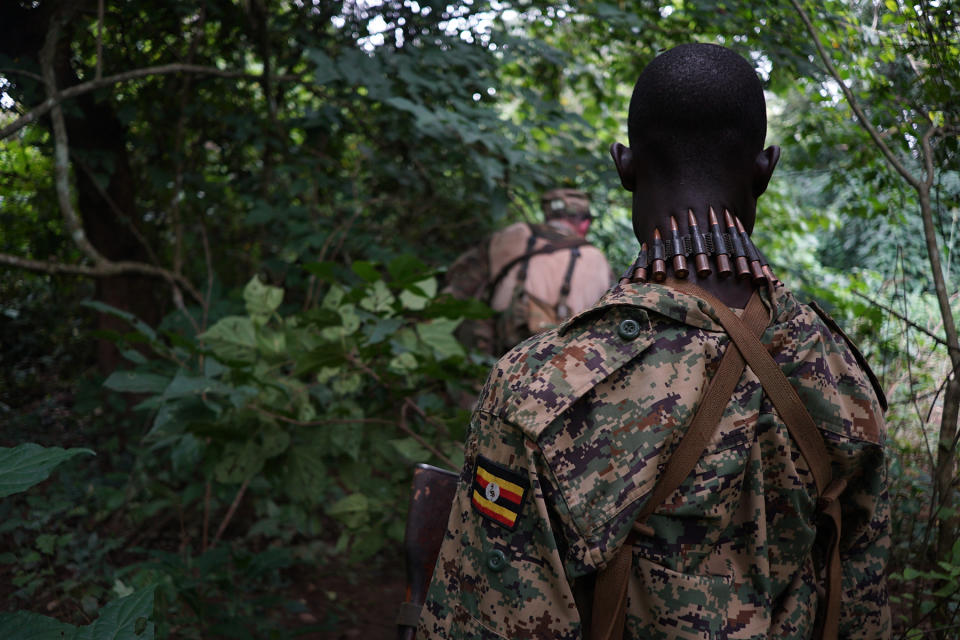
point(733, 250)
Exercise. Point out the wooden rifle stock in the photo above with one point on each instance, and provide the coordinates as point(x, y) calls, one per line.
point(431, 497)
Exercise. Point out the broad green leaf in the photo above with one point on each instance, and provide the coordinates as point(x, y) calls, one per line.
point(186, 385)
point(24, 625)
point(232, 339)
point(350, 322)
point(306, 477)
point(405, 267)
point(239, 462)
point(910, 573)
point(416, 297)
point(411, 450)
point(365, 270)
point(352, 510)
point(133, 356)
point(403, 364)
point(274, 441)
point(334, 297)
point(438, 333)
point(347, 438)
point(379, 299)
point(261, 299)
point(383, 328)
point(347, 383)
point(325, 69)
point(136, 382)
point(27, 464)
point(134, 321)
point(186, 454)
point(272, 344)
point(123, 619)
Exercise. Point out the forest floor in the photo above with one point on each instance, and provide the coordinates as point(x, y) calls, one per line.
point(47, 565)
point(361, 603)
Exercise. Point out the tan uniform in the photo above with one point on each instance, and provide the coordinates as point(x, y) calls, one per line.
point(542, 302)
point(590, 279)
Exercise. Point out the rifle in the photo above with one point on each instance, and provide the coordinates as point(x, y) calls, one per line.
point(431, 496)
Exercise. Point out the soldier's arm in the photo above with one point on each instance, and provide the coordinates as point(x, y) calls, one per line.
point(499, 574)
point(865, 544)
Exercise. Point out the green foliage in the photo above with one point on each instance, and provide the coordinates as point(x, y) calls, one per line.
point(925, 594)
point(25, 465)
point(360, 134)
point(310, 402)
point(122, 619)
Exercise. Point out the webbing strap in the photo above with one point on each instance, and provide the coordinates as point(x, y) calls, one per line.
point(610, 595)
point(804, 432)
point(782, 394)
point(562, 310)
point(610, 591)
point(529, 252)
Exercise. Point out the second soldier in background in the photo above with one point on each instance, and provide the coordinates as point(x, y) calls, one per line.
point(533, 275)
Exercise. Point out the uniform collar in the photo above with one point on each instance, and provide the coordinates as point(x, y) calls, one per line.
point(676, 305)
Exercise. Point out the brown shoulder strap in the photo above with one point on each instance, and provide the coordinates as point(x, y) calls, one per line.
point(782, 394)
point(804, 432)
point(609, 613)
point(610, 592)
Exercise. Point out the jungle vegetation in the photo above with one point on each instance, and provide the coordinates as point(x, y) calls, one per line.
point(223, 229)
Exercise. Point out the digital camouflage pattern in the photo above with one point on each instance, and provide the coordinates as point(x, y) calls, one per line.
point(587, 414)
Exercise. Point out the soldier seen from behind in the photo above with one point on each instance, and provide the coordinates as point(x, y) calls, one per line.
point(650, 469)
point(533, 276)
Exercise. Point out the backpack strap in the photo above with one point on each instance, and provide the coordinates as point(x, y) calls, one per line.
point(610, 592)
point(550, 247)
point(524, 262)
point(563, 311)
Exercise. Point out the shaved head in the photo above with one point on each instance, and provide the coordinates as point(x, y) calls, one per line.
point(694, 102)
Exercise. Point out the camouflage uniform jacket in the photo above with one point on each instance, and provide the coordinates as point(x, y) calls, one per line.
point(568, 438)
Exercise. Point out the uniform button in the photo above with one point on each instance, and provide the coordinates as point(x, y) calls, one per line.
point(629, 329)
point(496, 560)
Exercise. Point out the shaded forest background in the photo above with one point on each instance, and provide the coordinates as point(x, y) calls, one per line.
point(222, 229)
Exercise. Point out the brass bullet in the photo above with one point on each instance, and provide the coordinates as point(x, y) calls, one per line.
point(679, 259)
point(701, 264)
point(755, 269)
point(641, 272)
point(658, 266)
point(720, 249)
point(740, 254)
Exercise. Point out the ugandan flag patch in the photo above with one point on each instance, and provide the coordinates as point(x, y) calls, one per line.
point(498, 493)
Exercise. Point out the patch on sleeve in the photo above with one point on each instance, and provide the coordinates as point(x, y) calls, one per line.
point(498, 493)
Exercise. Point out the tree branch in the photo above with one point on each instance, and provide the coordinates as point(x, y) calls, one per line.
point(903, 318)
point(232, 510)
point(102, 266)
point(852, 101)
point(104, 270)
point(86, 87)
point(61, 153)
point(99, 72)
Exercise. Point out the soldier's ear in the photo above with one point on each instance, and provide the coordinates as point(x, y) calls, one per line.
point(623, 158)
point(763, 166)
